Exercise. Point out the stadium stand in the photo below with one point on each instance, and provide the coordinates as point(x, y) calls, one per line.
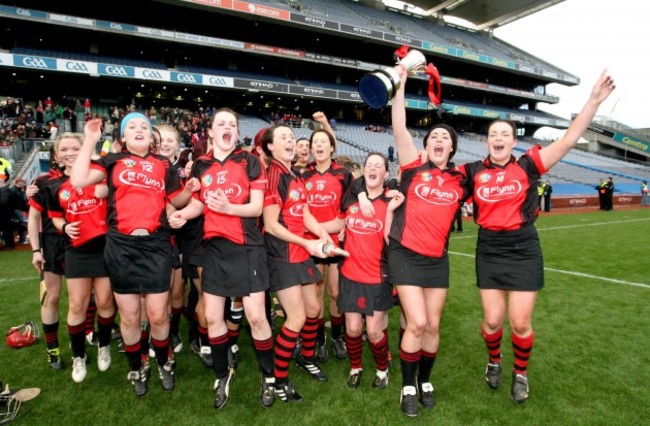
point(272, 66)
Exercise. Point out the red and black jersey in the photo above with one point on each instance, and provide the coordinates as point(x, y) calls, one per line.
point(78, 205)
point(288, 191)
point(138, 190)
point(364, 239)
point(505, 197)
point(325, 192)
point(39, 200)
point(236, 176)
point(432, 197)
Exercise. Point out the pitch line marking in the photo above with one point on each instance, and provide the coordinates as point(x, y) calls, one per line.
point(12, 280)
point(577, 274)
point(553, 228)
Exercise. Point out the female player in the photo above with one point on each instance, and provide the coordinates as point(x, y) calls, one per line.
point(48, 248)
point(292, 271)
point(137, 243)
point(80, 214)
point(364, 288)
point(231, 198)
point(302, 153)
point(185, 238)
point(417, 254)
point(509, 265)
point(326, 181)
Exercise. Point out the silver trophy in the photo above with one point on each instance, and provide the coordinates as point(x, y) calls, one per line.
point(379, 87)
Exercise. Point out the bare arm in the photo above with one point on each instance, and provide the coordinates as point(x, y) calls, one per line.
point(333, 226)
point(193, 209)
point(395, 202)
point(81, 174)
point(406, 149)
point(33, 224)
point(191, 186)
point(271, 215)
point(557, 150)
point(321, 119)
point(314, 226)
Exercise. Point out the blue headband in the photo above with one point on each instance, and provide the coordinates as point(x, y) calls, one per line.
point(130, 116)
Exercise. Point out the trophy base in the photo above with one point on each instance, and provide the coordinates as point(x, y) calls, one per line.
point(377, 88)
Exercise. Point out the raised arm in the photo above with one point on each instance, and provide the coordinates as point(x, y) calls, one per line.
point(321, 118)
point(553, 153)
point(82, 175)
point(406, 149)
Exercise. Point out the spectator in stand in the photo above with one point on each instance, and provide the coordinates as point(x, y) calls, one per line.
point(49, 114)
point(7, 207)
point(109, 128)
point(87, 105)
point(39, 113)
point(21, 208)
point(53, 129)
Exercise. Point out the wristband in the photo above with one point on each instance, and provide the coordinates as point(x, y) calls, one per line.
point(36, 251)
point(63, 228)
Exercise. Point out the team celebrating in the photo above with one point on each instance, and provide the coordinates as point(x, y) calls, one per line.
point(129, 228)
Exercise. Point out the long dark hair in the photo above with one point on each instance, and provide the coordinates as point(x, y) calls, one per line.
point(452, 133)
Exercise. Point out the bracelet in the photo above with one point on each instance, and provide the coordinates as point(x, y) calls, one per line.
point(63, 227)
point(36, 251)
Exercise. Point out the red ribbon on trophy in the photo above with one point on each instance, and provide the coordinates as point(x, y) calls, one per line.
point(435, 87)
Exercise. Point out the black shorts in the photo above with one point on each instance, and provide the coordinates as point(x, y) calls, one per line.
point(364, 298)
point(284, 274)
point(138, 264)
point(86, 261)
point(176, 257)
point(196, 259)
point(54, 247)
point(509, 260)
point(406, 267)
point(233, 270)
point(187, 246)
point(328, 260)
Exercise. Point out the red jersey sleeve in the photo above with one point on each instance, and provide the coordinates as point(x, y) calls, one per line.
point(533, 153)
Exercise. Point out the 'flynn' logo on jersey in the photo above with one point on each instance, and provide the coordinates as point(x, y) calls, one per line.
point(322, 200)
point(362, 225)
point(142, 180)
point(233, 192)
point(494, 193)
point(84, 205)
point(297, 210)
point(435, 195)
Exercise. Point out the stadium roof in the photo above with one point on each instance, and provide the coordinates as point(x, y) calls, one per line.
point(485, 14)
